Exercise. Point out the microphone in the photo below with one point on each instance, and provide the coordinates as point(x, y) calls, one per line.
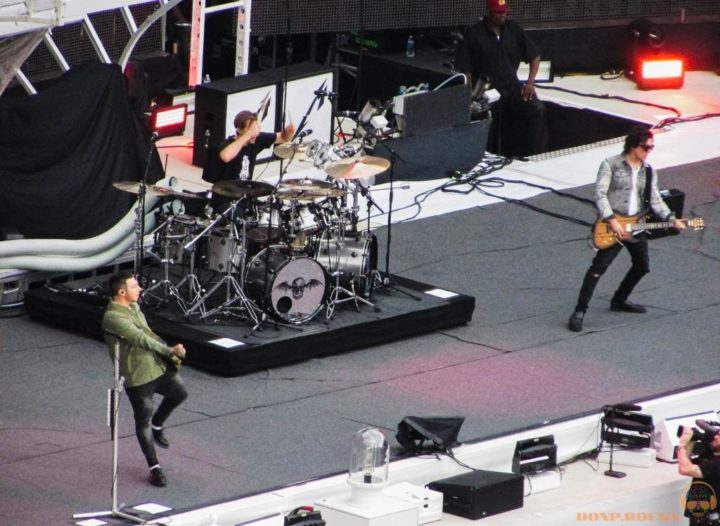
point(114, 335)
point(155, 136)
point(303, 133)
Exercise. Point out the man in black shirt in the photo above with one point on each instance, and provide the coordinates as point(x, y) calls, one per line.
point(701, 506)
point(491, 52)
point(238, 152)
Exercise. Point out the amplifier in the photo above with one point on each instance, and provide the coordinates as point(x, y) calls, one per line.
point(675, 199)
point(480, 494)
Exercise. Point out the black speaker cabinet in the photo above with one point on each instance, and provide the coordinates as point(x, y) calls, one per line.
point(675, 199)
point(427, 156)
point(433, 110)
point(217, 103)
point(480, 494)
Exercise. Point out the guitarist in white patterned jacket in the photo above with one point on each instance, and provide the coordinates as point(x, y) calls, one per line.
point(620, 189)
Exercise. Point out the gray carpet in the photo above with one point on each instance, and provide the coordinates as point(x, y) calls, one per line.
point(514, 366)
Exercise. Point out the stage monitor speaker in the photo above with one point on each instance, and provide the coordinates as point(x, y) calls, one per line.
point(427, 111)
point(427, 156)
point(217, 103)
point(665, 439)
point(675, 199)
point(480, 494)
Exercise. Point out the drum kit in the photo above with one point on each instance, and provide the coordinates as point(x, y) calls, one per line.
point(279, 253)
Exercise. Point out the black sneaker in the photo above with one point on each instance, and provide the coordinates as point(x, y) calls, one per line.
point(157, 477)
point(626, 306)
point(576, 321)
point(160, 439)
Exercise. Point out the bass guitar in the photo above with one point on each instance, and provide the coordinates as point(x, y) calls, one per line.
point(604, 237)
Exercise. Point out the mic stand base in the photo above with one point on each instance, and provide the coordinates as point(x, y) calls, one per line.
point(387, 282)
point(615, 474)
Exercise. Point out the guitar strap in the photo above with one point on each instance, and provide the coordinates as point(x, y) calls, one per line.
point(648, 182)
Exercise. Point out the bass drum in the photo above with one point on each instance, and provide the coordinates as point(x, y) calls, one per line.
point(356, 260)
point(296, 287)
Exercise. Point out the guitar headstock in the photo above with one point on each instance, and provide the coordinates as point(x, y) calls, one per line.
point(697, 223)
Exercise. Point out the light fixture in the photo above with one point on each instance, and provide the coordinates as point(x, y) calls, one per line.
point(369, 462)
point(655, 72)
point(535, 454)
point(649, 62)
point(168, 120)
point(623, 426)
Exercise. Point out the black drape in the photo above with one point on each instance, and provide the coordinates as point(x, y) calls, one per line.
point(61, 150)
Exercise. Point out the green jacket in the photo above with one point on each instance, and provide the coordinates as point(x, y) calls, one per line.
point(143, 354)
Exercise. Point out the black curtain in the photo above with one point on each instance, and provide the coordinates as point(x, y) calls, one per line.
point(61, 150)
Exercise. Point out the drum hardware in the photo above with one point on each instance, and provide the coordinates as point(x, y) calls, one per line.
point(386, 281)
point(168, 288)
point(337, 272)
point(233, 291)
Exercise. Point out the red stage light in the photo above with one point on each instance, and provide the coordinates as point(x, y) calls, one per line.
point(660, 73)
point(169, 120)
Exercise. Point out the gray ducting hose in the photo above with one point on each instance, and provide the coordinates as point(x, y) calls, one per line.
point(56, 263)
point(75, 247)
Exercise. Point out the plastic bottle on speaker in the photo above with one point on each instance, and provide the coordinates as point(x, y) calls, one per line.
point(410, 48)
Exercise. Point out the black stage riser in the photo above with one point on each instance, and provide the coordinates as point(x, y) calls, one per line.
point(82, 312)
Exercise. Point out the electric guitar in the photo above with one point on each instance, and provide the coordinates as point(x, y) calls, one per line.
point(604, 237)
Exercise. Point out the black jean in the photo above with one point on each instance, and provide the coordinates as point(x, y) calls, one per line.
point(173, 391)
point(638, 249)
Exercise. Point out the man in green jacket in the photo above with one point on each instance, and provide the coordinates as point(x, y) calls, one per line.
point(148, 366)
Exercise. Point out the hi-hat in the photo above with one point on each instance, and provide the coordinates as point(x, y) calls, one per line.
point(291, 150)
point(154, 190)
point(306, 184)
point(357, 167)
point(300, 194)
point(242, 188)
point(305, 189)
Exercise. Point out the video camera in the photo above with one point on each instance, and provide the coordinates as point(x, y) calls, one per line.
point(702, 436)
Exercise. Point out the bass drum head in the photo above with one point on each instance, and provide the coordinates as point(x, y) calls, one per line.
point(295, 289)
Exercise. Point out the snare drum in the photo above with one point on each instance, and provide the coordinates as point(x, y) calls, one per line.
point(295, 289)
point(356, 260)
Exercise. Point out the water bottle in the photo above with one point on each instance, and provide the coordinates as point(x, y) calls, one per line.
point(410, 49)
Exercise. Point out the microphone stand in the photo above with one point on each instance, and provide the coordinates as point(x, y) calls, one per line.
point(140, 211)
point(387, 279)
point(113, 410)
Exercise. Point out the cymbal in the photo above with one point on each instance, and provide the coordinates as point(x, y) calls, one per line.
point(290, 150)
point(133, 187)
point(309, 194)
point(155, 190)
point(306, 184)
point(177, 194)
point(242, 188)
point(357, 167)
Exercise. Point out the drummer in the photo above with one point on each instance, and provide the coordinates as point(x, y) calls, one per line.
point(236, 154)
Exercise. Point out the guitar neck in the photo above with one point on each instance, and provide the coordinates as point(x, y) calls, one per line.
point(659, 225)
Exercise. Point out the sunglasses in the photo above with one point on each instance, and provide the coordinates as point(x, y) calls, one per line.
point(646, 147)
